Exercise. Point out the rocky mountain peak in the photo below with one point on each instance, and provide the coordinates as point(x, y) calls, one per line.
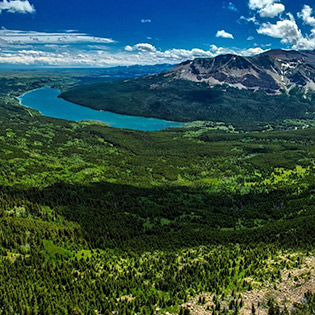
point(272, 71)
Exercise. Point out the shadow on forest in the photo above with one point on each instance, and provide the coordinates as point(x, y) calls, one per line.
point(114, 215)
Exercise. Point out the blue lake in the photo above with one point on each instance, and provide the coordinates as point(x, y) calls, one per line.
point(46, 101)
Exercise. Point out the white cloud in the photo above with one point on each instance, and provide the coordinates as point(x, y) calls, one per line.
point(306, 15)
point(71, 31)
point(267, 8)
point(248, 19)
point(146, 21)
point(179, 55)
point(232, 7)
point(272, 10)
point(288, 31)
point(17, 6)
point(250, 38)
point(224, 34)
point(11, 37)
point(129, 48)
point(252, 51)
point(69, 56)
point(259, 4)
point(243, 52)
point(141, 47)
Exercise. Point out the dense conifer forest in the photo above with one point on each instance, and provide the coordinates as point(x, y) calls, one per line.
point(97, 220)
point(163, 96)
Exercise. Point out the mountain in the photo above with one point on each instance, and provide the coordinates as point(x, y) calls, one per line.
point(273, 71)
point(275, 85)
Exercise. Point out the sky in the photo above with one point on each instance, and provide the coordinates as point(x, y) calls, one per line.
point(103, 33)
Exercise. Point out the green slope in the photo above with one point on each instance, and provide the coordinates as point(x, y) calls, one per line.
point(98, 219)
point(163, 96)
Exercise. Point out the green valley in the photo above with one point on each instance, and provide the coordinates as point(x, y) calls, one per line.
point(98, 220)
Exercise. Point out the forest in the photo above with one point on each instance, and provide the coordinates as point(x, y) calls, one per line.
point(164, 96)
point(97, 220)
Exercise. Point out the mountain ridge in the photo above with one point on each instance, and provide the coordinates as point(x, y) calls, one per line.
point(276, 85)
point(273, 71)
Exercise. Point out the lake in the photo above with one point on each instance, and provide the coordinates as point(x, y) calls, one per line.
point(46, 101)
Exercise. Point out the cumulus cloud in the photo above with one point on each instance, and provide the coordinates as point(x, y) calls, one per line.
point(224, 34)
point(243, 52)
point(141, 47)
point(306, 15)
point(179, 55)
point(11, 37)
point(267, 8)
point(272, 10)
point(285, 29)
point(69, 56)
point(17, 6)
point(288, 31)
point(252, 51)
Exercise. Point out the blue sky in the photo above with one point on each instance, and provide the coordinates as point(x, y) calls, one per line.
point(123, 32)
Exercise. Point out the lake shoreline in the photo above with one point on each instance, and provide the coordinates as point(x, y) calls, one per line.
point(29, 91)
point(48, 102)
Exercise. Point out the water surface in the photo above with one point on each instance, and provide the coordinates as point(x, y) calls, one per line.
point(46, 101)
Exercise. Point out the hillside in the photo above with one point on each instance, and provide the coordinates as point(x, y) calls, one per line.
point(272, 86)
point(97, 219)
